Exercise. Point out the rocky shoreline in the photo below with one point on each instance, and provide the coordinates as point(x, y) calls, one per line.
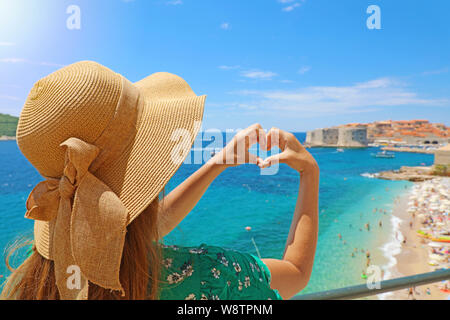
point(414, 174)
point(7, 138)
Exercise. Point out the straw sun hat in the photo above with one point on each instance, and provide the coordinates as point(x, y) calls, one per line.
point(106, 148)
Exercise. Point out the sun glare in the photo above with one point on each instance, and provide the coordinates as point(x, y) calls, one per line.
point(16, 19)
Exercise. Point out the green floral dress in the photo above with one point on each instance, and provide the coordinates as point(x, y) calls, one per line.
point(213, 273)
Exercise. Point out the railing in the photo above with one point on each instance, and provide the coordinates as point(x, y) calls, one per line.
point(361, 291)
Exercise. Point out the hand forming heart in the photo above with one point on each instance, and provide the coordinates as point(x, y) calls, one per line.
point(292, 152)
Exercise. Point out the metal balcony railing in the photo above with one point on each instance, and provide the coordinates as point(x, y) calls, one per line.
point(361, 291)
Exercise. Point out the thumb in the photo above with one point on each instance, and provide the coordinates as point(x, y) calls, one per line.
point(254, 159)
point(275, 159)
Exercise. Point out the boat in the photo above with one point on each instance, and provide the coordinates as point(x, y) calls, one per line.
point(340, 150)
point(383, 154)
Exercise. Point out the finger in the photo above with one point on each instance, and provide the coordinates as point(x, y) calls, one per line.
point(253, 159)
point(275, 159)
point(255, 136)
point(255, 126)
point(262, 139)
point(269, 139)
point(276, 138)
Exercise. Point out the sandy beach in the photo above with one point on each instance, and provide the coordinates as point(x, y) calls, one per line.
point(414, 256)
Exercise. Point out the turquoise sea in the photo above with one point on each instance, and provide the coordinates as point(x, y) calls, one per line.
point(242, 197)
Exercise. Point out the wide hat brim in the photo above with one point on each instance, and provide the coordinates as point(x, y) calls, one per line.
point(169, 120)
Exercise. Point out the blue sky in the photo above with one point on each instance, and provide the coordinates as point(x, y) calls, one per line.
point(294, 64)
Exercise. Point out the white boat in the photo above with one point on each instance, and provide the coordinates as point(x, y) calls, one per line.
point(340, 150)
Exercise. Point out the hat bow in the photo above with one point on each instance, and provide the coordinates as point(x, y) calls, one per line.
point(90, 223)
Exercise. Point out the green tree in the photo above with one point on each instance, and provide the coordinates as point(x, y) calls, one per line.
point(8, 125)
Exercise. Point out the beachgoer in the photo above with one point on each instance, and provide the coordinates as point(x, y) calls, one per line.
point(107, 147)
point(411, 293)
point(380, 224)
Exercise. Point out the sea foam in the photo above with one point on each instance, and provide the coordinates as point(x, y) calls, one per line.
point(369, 175)
point(392, 248)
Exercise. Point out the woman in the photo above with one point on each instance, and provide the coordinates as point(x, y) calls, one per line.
point(107, 148)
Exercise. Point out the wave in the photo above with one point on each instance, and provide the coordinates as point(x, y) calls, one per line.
point(370, 175)
point(392, 248)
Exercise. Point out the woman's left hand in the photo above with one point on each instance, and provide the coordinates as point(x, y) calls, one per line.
point(236, 151)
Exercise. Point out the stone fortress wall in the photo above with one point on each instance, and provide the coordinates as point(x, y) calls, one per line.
point(341, 137)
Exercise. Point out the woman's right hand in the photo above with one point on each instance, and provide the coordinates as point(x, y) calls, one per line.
point(292, 152)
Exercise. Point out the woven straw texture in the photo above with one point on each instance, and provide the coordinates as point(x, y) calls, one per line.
point(107, 148)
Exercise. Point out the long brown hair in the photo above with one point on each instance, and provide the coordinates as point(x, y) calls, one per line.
point(34, 279)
